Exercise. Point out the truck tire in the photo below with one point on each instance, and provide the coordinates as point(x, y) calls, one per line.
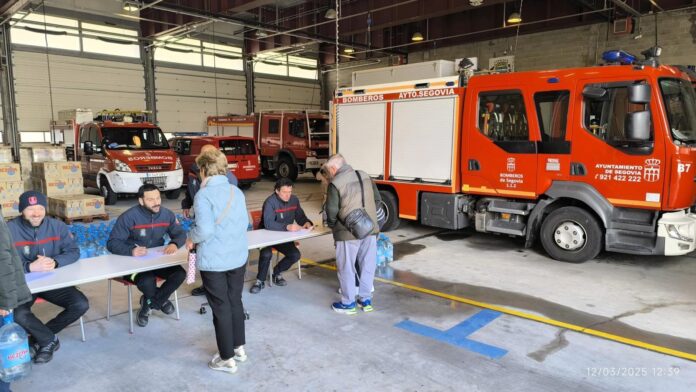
point(286, 169)
point(391, 208)
point(110, 197)
point(572, 235)
point(173, 194)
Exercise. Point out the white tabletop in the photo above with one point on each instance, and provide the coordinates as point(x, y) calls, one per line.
point(112, 266)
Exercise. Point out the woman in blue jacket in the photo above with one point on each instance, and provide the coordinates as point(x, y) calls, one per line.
point(219, 235)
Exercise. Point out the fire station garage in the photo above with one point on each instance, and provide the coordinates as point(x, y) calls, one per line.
point(348, 195)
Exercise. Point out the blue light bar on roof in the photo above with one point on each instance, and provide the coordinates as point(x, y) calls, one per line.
point(618, 56)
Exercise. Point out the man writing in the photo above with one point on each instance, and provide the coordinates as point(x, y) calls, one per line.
point(281, 212)
point(44, 244)
point(142, 227)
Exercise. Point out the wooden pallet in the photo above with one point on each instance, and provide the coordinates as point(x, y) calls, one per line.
point(84, 219)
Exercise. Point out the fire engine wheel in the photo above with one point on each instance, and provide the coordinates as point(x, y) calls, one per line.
point(572, 235)
point(391, 209)
point(110, 197)
point(173, 194)
point(286, 169)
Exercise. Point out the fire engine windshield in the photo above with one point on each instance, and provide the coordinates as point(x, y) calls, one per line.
point(319, 128)
point(134, 139)
point(680, 104)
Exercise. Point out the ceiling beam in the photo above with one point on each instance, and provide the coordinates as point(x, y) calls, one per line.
point(10, 7)
point(622, 4)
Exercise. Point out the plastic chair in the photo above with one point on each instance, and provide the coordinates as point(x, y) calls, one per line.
point(130, 285)
point(82, 323)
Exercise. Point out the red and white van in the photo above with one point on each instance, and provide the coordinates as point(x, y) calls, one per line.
point(121, 151)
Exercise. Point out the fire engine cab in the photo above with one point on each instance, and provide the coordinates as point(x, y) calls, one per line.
point(121, 150)
point(290, 142)
point(583, 159)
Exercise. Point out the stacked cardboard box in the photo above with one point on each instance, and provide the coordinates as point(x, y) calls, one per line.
point(39, 153)
point(11, 187)
point(57, 178)
point(61, 182)
point(6, 155)
point(76, 206)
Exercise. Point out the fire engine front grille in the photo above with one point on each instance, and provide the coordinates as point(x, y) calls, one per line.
point(151, 168)
point(322, 152)
point(159, 182)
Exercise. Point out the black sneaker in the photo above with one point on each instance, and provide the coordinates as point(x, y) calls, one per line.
point(258, 286)
point(279, 281)
point(198, 291)
point(45, 353)
point(144, 312)
point(167, 307)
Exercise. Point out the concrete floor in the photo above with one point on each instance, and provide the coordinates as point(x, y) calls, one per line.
point(295, 341)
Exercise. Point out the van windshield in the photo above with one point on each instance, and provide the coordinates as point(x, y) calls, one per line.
point(134, 139)
point(237, 147)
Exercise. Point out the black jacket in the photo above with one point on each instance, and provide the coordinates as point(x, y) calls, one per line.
point(52, 239)
point(139, 227)
point(13, 287)
point(277, 214)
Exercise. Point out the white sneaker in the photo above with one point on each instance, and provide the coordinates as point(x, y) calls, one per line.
point(239, 354)
point(217, 363)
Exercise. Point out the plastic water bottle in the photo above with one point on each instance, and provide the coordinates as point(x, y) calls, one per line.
point(14, 348)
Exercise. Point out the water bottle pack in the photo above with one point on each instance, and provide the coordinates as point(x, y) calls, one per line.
point(92, 238)
point(15, 359)
point(385, 250)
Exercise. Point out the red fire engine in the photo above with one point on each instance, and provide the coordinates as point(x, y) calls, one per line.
point(289, 141)
point(584, 159)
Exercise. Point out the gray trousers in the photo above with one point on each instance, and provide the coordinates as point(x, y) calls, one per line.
point(365, 253)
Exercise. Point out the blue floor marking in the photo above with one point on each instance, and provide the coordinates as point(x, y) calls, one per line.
point(458, 335)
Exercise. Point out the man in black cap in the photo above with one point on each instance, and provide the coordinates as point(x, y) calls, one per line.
point(44, 244)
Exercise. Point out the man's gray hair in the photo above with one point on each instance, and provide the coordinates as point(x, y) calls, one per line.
point(336, 161)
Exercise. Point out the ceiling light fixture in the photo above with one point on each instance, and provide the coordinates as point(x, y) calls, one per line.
point(514, 18)
point(348, 49)
point(131, 6)
point(330, 14)
point(417, 37)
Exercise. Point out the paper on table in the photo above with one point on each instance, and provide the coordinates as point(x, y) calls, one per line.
point(157, 252)
point(32, 276)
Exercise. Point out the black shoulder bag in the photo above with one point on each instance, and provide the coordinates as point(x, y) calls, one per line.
point(358, 222)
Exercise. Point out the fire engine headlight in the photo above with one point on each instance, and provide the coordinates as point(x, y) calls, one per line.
point(120, 166)
point(178, 164)
point(311, 153)
point(673, 232)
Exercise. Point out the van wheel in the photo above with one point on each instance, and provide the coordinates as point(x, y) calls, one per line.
point(572, 235)
point(173, 194)
point(391, 208)
point(110, 197)
point(286, 169)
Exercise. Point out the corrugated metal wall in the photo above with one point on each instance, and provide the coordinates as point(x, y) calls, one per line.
point(186, 98)
point(76, 83)
point(285, 94)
